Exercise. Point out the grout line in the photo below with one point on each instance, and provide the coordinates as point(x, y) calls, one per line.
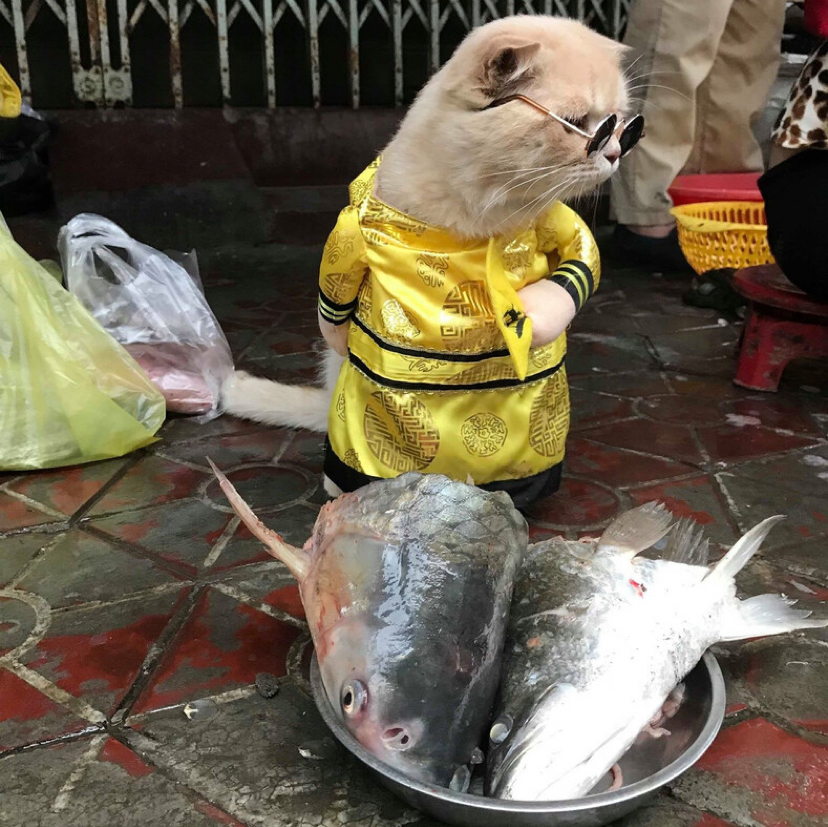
point(62, 799)
point(79, 735)
point(163, 588)
point(156, 652)
point(127, 466)
point(230, 696)
point(176, 569)
point(41, 553)
point(60, 696)
point(34, 504)
point(222, 542)
point(266, 608)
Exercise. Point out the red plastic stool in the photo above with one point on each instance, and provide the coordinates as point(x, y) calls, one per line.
point(782, 324)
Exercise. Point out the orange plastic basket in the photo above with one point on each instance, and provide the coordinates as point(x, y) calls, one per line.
point(723, 234)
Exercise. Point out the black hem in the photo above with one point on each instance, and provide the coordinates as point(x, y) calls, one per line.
point(523, 491)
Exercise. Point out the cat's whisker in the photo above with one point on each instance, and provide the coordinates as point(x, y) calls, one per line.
point(659, 86)
point(505, 189)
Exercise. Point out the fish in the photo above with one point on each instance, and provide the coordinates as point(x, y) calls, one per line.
point(599, 640)
point(406, 585)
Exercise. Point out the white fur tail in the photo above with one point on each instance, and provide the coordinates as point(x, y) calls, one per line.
point(274, 403)
point(767, 614)
point(744, 548)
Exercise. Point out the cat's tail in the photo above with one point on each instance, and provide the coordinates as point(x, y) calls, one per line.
point(274, 403)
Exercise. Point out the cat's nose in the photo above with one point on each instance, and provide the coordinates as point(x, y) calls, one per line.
point(612, 155)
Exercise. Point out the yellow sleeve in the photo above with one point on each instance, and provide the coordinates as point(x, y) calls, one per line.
point(344, 264)
point(566, 239)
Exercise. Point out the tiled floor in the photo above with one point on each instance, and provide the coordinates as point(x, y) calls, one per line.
point(128, 591)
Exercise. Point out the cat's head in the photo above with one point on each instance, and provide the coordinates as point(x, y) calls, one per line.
point(507, 164)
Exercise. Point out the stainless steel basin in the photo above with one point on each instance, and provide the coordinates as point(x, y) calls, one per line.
point(646, 767)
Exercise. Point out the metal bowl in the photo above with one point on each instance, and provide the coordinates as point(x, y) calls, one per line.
point(646, 767)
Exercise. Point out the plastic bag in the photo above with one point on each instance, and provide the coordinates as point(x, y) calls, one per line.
point(153, 306)
point(69, 393)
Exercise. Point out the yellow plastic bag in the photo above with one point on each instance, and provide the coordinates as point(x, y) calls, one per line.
point(69, 393)
point(10, 100)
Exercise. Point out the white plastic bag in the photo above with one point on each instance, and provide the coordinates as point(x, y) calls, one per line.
point(153, 306)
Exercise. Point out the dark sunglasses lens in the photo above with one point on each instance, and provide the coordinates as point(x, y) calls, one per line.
point(631, 135)
point(602, 135)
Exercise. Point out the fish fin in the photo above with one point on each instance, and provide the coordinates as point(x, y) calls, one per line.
point(767, 614)
point(296, 559)
point(636, 530)
point(686, 544)
point(744, 548)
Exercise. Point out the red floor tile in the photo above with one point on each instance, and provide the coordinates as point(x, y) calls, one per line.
point(784, 779)
point(224, 644)
point(67, 489)
point(228, 451)
point(16, 551)
point(696, 498)
point(152, 481)
point(186, 534)
point(736, 443)
point(27, 716)
point(673, 442)
point(16, 514)
point(616, 467)
point(579, 504)
point(77, 568)
point(96, 653)
point(589, 409)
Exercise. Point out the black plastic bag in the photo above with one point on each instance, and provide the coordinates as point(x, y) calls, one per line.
point(25, 183)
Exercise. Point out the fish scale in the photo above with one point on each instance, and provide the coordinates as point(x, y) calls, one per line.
point(406, 585)
point(598, 638)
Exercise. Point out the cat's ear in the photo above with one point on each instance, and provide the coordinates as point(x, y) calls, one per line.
point(505, 64)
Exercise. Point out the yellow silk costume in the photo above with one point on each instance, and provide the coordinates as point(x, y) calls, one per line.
point(441, 376)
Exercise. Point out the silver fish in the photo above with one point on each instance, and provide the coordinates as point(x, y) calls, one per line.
point(406, 586)
point(598, 637)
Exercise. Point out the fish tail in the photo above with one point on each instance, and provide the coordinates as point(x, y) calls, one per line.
point(745, 547)
point(767, 614)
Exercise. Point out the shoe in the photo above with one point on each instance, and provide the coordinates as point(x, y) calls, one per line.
point(713, 290)
point(634, 249)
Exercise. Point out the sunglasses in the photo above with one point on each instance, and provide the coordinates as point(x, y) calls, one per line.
point(629, 133)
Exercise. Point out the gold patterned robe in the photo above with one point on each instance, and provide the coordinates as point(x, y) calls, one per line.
point(441, 376)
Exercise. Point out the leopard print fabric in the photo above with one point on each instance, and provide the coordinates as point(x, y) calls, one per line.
point(803, 123)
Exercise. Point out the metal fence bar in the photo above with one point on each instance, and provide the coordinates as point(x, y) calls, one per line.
point(397, 30)
point(20, 48)
point(105, 80)
point(224, 52)
point(269, 52)
point(353, 51)
point(313, 43)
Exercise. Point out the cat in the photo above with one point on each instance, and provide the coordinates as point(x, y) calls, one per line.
point(475, 173)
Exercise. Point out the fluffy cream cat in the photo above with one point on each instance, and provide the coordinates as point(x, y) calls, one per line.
point(480, 173)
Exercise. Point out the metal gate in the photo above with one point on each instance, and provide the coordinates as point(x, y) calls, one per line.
point(99, 46)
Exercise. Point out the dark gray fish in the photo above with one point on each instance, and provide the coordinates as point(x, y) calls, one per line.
point(406, 585)
point(599, 637)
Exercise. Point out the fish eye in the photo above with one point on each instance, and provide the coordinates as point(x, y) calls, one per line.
point(354, 697)
point(500, 729)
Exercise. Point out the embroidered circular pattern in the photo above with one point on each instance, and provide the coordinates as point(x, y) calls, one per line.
point(340, 406)
point(484, 434)
point(400, 431)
